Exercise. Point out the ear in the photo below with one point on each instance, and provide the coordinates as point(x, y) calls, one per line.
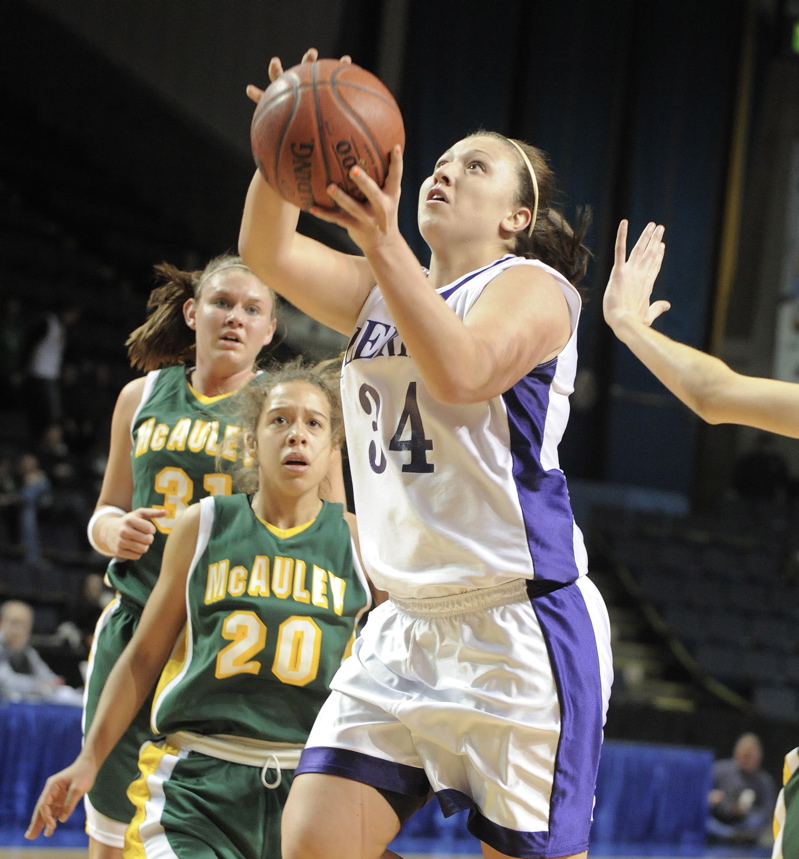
point(190, 312)
point(517, 221)
point(251, 445)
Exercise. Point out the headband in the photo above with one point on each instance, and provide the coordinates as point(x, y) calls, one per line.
point(534, 181)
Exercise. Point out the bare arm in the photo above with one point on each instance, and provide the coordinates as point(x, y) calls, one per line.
point(328, 285)
point(128, 535)
point(704, 383)
point(130, 681)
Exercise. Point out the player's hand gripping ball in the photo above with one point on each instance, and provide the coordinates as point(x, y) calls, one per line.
point(317, 121)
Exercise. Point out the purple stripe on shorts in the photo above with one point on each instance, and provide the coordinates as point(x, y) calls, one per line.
point(571, 642)
point(510, 841)
point(356, 766)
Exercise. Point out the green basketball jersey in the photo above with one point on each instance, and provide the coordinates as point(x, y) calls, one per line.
point(270, 617)
point(176, 434)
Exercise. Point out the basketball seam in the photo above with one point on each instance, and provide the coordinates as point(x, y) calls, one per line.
point(286, 125)
point(364, 128)
point(319, 126)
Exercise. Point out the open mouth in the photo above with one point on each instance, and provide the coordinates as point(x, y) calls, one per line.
point(295, 461)
point(436, 195)
point(229, 337)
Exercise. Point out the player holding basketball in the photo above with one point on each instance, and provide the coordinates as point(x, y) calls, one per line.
point(268, 592)
point(205, 330)
point(718, 395)
point(485, 677)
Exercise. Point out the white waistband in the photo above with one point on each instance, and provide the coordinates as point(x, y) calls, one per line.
point(238, 750)
point(481, 599)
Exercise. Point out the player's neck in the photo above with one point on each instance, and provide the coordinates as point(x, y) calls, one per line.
point(446, 267)
point(211, 384)
point(287, 512)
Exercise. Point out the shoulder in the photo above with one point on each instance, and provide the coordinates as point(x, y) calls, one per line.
point(532, 283)
point(187, 525)
point(130, 397)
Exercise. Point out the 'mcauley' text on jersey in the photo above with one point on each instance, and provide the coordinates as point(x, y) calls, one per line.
point(288, 578)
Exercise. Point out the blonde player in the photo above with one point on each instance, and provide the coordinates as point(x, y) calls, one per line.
point(200, 344)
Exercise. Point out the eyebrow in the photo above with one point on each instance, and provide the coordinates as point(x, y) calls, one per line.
point(468, 153)
point(280, 408)
point(221, 289)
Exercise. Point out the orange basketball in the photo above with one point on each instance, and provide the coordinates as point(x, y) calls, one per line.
point(315, 122)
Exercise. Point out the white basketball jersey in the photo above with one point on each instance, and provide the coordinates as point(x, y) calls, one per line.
point(455, 497)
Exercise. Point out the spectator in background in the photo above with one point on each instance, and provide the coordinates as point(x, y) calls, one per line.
point(47, 345)
point(24, 675)
point(743, 796)
point(34, 492)
point(70, 502)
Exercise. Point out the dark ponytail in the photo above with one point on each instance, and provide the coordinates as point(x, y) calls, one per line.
point(554, 240)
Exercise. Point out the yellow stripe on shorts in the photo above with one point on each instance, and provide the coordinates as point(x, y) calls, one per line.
point(148, 789)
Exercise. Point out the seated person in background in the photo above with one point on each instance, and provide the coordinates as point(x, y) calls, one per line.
point(743, 796)
point(24, 675)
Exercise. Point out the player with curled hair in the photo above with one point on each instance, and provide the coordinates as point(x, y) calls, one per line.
point(198, 346)
point(255, 606)
point(485, 676)
point(717, 394)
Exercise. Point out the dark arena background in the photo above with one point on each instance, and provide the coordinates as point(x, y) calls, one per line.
point(125, 142)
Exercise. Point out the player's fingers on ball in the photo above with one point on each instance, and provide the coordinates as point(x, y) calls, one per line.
point(254, 93)
point(395, 168)
point(310, 56)
point(346, 59)
point(366, 184)
point(343, 200)
point(275, 68)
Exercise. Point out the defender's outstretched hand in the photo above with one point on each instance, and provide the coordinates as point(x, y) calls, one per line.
point(629, 288)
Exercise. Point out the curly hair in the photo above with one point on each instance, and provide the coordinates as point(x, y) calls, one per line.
point(250, 401)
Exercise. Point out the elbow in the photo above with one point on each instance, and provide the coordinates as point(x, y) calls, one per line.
point(708, 400)
point(453, 392)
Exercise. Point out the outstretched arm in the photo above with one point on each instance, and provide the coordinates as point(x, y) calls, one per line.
point(130, 681)
point(704, 383)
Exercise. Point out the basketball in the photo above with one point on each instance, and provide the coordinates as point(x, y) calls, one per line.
point(317, 121)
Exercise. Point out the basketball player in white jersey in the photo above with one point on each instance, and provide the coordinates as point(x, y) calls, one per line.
point(485, 678)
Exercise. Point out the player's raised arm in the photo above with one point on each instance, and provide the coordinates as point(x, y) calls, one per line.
point(328, 285)
point(704, 383)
